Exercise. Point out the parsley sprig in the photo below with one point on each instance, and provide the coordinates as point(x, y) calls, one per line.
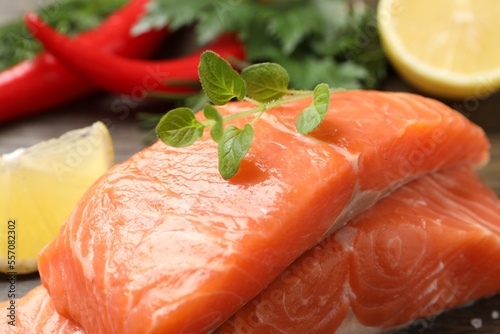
point(264, 84)
point(68, 17)
point(331, 41)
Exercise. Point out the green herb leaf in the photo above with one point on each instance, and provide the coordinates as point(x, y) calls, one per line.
point(159, 14)
point(68, 17)
point(313, 115)
point(219, 80)
point(311, 39)
point(233, 148)
point(217, 131)
point(179, 128)
point(296, 22)
point(266, 81)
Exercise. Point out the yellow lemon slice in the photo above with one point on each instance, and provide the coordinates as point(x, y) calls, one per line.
point(446, 48)
point(40, 185)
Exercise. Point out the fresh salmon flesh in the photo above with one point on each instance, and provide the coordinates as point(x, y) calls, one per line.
point(371, 221)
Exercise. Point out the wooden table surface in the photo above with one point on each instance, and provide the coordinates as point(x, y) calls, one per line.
point(127, 138)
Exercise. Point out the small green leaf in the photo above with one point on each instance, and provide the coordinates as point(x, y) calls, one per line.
point(265, 82)
point(217, 130)
point(219, 80)
point(233, 148)
point(179, 128)
point(313, 115)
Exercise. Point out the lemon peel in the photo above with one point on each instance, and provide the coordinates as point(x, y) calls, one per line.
point(446, 48)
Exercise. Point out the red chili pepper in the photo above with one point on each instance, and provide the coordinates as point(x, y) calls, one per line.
point(129, 76)
point(41, 83)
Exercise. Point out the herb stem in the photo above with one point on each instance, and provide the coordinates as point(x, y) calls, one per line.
point(260, 108)
point(298, 92)
point(286, 100)
point(257, 117)
point(208, 123)
point(249, 99)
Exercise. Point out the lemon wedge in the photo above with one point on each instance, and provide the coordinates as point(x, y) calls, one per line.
point(446, 48)
point(41, 185)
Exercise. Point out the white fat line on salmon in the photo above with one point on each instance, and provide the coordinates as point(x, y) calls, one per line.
point(352, 158)
point(39, 316)
point(345, 237)
point(461, 212)
point(434, 284)
point(351, 325)
point(272, 120)
point(362, 200)
point(79, 248)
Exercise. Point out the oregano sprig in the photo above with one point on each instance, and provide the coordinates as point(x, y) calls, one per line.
point(265, 84)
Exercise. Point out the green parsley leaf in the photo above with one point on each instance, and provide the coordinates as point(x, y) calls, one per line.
point(217, 131)
point(175, 14)
point(295, 23)
point(219, 80)
point(68, 17)
point(311, 39)
point(266, 81)
point(233, 148)
point(313, 115)
point(306, 70)
point(179, 128)
point(350, 75)
point(214, 19)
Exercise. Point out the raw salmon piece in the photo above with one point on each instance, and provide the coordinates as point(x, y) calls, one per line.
point(35, 314)
point(162, 244)
point(429, 246)
point(432, 245)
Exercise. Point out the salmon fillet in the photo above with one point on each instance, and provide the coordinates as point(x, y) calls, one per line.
point(431, 245)
point(162, 244)
point(35, 314)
